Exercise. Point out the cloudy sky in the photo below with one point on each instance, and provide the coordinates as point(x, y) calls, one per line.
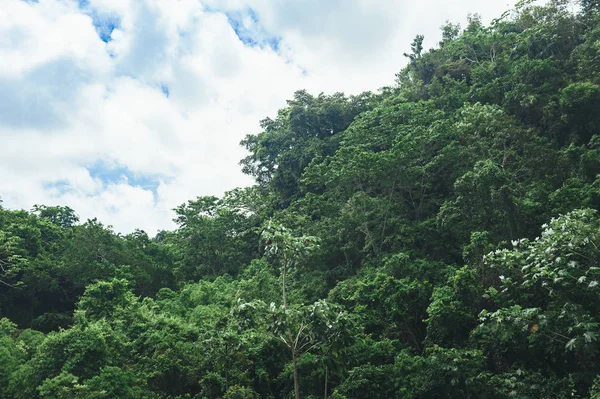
point(124, 109)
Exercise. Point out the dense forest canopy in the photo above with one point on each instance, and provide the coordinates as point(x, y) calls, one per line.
point(436, 239)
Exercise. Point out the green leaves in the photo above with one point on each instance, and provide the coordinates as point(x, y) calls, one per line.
point(281, 245)
point(547, 306)
point(103, 299)
point(216, 236)
point(306, 130)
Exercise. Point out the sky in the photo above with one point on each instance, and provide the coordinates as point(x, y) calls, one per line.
point(125, 109)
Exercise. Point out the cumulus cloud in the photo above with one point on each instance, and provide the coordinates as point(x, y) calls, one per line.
point(123, 109)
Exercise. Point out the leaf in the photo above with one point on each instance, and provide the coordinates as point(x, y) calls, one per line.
point(590, 336)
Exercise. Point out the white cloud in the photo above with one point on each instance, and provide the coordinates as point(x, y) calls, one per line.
point(71, 102)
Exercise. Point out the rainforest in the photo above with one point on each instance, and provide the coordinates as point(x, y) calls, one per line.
point(436, 238)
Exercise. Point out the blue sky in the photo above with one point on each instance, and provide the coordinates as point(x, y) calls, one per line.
point(105, 26)
point(124, 109)
point(119, 173)
point(248, 28)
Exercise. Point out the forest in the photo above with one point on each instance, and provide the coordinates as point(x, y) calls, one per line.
point(437, 238)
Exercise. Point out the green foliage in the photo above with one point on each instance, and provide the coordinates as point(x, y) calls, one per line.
point(238, 392)
point(453, 309)
point(309, 127)
point(215, 236)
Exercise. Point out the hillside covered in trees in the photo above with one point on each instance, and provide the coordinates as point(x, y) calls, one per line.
point(437, 239)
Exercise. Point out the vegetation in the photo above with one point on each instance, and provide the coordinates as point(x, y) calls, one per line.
point(437, 239)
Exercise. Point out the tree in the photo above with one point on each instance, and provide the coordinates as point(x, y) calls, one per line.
point(288, 250)
point(300, 328)
point(215, 236)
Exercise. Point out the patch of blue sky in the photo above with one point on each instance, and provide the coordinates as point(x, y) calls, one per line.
point(165, 89)
point(246, 25)
point(113, 174)
point(58, 187)
point(105, 24)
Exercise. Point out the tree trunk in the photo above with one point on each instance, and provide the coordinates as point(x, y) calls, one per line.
point(283, 287)
point(296, 383)
point(326, 375)
point(226, 368)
